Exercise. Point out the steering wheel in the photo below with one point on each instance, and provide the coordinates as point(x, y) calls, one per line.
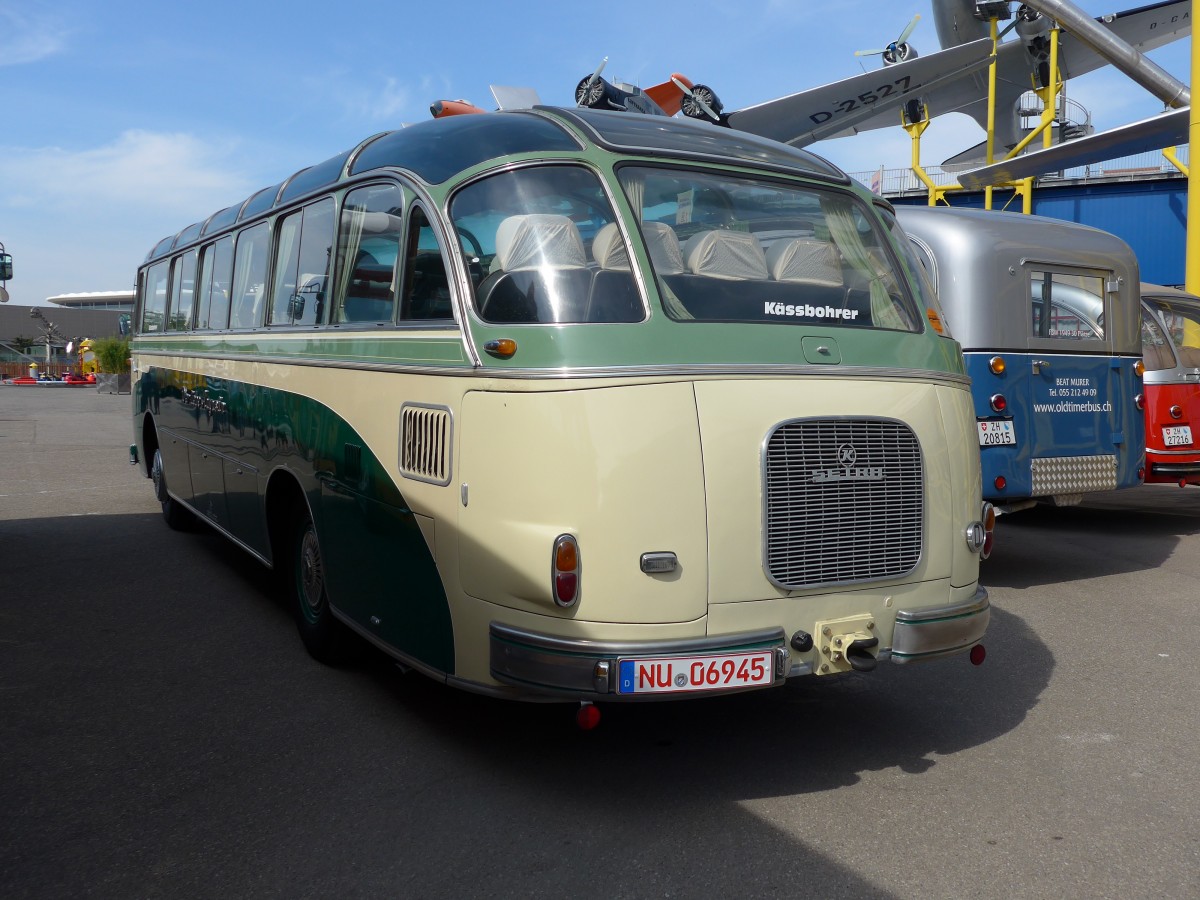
point(476, 247)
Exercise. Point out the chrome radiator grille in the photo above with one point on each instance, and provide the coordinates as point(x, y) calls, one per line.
point(844, 501)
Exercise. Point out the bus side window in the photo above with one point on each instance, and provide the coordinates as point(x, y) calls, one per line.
point(302, 265)
point(249, 277)
point(426, 287)
point(368, 248)
point(216, 264)
point(154, 296)
point(183, 283)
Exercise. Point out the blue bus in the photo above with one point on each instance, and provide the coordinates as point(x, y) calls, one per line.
point(1048, 315)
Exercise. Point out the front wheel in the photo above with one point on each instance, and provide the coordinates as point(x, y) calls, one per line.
point(173, 511)
point(325, 638)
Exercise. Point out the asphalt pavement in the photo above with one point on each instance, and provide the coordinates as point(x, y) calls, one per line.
point(164, 734)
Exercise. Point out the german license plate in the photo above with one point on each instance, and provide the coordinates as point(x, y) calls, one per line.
point(993, 433)
point(1177, 435)
point(685, 674)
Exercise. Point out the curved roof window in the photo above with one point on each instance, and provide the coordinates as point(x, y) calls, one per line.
point(698, 140)
point(440, 148)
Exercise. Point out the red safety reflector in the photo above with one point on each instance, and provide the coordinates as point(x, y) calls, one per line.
point(1001, 482)
point(565, 587)
point(978, 655)
point(1176, 412)
point(588, 717)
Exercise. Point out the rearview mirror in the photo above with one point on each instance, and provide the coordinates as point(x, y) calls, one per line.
point(5, 266)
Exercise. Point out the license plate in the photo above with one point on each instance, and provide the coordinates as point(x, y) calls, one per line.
point(993, 433)
point(1177, 435)
point(685, 674)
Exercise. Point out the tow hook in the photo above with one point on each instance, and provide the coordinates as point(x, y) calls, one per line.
point(858, 657)
point(845, 645)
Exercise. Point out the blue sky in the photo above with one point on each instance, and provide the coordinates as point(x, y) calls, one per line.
point(125, 121)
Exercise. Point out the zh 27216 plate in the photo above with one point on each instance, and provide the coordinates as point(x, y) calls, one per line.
point(687, 674)
point(1177, 435)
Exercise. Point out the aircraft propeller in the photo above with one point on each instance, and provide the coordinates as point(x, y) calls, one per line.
point(898, 50)
point(699, 101)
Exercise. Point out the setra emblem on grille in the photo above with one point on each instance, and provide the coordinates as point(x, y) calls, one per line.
point(847, 456)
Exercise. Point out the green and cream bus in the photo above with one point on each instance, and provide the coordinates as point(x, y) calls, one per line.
point(577, 405)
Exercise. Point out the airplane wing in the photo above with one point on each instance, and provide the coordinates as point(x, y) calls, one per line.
point(1144, 28)
point(1165, 130)
point(953, 80)
point(861, 102)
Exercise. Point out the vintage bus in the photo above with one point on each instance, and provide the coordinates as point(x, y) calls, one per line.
point(1048, 316)
point(567, 404)
point(1171, 351)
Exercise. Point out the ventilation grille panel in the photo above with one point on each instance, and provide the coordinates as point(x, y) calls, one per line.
point(425, 441)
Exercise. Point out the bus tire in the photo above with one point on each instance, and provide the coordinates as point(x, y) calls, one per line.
point(173, 511)
point(325, 638)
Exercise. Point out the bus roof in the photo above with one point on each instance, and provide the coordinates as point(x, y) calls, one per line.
point(438, 149)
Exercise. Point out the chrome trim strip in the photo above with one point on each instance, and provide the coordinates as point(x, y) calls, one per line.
point(679, 646)
point(937, 631)
point(1191, 452)
point(924, 376)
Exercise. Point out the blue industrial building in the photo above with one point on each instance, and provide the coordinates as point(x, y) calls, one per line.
point(1146, 210)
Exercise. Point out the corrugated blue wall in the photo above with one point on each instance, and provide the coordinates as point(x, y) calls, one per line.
point(1150, 216)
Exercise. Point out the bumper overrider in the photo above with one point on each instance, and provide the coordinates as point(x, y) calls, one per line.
point(593, 670)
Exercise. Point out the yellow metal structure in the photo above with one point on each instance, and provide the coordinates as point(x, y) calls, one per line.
point(1192, 270)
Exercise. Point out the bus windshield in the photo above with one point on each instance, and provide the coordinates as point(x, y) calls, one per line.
point(730, 248)
point(1182, 322)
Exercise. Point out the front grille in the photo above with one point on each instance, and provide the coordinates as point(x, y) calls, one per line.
point(844, 501)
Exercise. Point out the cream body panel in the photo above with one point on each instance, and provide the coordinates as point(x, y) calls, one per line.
point(962, 453)
point(736, 418)
point(369, 400)
point(617, 467)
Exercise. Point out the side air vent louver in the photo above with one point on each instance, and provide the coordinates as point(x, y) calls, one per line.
point(844, 502)
point(425, 442)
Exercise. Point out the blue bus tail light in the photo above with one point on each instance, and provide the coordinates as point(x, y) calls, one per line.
point(997, 365)
point(1001, 482)
point(999, 402)
point(1139, 401)
point(565, 574)
point(1139, 368)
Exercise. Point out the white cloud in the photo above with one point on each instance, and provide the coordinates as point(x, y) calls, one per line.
point(26, 38)
point(83, 220)
point(141, 170)
point(386, 100)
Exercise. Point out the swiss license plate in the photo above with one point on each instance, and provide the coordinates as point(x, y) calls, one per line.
point(683, 674)
point(992, 433)
point(1177, 435)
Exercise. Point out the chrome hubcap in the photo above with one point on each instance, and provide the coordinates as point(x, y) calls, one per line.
point(312, 574)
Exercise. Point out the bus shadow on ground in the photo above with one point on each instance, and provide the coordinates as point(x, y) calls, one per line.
point(200, 730)
point(1051, 545)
